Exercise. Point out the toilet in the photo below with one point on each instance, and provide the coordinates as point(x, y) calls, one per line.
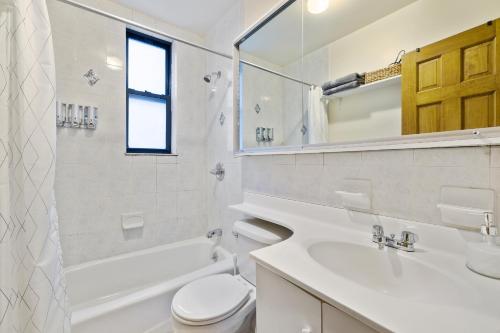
point(225, 303)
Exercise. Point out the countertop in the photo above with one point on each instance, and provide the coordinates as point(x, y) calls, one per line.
point(476, 308)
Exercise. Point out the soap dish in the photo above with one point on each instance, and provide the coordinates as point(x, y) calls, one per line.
point(355, 201)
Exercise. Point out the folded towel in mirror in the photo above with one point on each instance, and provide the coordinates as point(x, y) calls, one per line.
point(347, 86)
point(342, 80)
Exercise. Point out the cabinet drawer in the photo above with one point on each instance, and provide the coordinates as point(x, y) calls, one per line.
point(336, 321)
point(283, 307)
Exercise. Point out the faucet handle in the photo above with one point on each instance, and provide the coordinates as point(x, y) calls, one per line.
point(378, 229)
point(377, 233)
point(408, 238)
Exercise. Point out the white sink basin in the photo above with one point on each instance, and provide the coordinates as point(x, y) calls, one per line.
point(388, 271)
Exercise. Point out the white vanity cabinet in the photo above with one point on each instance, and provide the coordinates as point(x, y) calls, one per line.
point(336, 321)
point(284, 307)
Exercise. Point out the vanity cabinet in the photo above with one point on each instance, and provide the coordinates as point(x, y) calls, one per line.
point(284, 307)
point(336, 321)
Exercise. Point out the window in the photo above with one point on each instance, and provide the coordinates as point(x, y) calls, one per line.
point(149, 114)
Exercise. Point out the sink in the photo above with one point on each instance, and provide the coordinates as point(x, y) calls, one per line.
point(388, 271)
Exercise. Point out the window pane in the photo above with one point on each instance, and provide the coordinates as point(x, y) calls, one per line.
point(146, 67)
point(146, 122)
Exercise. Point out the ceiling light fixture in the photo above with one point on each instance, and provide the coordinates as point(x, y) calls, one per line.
point(317, 6)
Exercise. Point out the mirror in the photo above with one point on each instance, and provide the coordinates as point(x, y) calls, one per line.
point(271, 82)
point(327, 73)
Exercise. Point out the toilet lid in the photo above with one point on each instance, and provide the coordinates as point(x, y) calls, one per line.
point(209, 299)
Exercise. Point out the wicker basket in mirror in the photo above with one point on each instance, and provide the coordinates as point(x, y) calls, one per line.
point(384, 73)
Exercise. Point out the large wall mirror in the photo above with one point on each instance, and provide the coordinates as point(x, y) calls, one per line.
point(327, 74)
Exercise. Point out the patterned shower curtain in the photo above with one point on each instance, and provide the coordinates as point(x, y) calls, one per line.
point(32, 289)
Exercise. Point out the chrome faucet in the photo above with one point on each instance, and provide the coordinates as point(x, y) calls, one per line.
point(378, 233)
point(405, 243)
point(216, 232)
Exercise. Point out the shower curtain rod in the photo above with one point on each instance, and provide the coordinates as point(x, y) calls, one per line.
point(172, 37)
point(141, 26)
point(277, 73)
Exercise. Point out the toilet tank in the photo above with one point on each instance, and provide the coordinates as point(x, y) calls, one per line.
point(253, 235)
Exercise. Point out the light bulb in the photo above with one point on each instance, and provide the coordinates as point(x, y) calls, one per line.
point(317, 6)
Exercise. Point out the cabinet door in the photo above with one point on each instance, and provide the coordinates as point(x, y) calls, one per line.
point(283, 307)
point(453, 84)
point(336, 321)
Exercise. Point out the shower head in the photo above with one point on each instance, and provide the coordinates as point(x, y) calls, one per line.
point(208, 78)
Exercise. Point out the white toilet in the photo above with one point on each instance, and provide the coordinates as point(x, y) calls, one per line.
point(225, 303)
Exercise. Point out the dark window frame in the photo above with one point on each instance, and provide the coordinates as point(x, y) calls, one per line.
point(147, 39)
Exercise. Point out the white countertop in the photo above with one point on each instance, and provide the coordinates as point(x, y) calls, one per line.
point(476, 307)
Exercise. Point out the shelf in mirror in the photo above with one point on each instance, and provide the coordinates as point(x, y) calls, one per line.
point(392, 81)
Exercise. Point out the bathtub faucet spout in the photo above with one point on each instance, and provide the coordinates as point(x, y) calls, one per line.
point(216, 232)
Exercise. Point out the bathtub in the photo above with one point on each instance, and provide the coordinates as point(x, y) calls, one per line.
point(132, 293)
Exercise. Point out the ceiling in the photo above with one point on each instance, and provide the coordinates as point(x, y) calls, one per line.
point(279, 41)
point(197, 16)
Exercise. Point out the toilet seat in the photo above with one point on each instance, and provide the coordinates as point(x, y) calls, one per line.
point(210, 299)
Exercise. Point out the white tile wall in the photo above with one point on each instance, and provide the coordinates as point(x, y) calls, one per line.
point(95, 181)
point(406, 183)
point(266, 90)
point(219, 144)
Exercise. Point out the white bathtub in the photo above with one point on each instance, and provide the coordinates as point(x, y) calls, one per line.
point(132, 293)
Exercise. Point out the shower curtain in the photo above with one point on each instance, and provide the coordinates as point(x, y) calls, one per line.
point(317, 117)
point(32, 289)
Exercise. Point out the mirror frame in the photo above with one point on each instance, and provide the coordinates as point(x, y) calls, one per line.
point(462, 138)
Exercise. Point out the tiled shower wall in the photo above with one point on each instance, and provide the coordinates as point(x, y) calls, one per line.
point(405, 183)
point(220, 137)
point(95, 181)
point(219, 145)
